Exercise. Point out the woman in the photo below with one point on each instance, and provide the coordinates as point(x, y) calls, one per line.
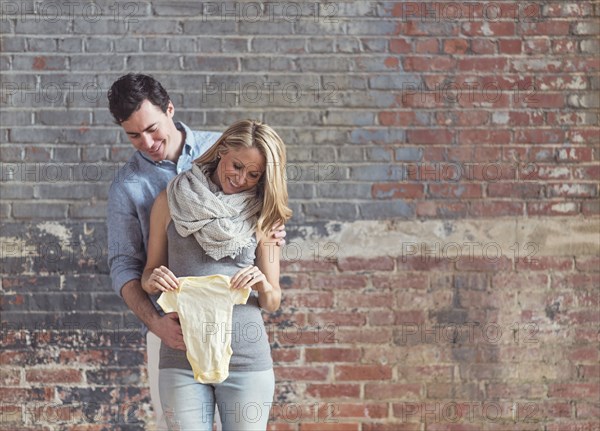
point(214, 219)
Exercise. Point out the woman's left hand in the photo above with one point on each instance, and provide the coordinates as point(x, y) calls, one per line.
point(250, 276)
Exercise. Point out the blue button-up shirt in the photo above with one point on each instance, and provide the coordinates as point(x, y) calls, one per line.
point(130, 200)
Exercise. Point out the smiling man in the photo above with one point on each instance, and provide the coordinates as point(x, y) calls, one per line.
point(142, 107)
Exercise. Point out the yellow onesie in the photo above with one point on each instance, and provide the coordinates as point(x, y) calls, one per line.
point(205, 308)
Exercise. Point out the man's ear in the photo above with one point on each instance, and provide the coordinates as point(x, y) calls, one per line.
point(170, 109)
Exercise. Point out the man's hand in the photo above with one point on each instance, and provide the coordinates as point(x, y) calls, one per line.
point(277, 233)
point(168, 329)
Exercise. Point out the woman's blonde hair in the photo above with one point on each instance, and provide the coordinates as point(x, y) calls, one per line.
point(272, 186)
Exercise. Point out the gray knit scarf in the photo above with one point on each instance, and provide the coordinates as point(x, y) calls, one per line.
point(222, 224)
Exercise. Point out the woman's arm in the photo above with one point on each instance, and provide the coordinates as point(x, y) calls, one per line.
point(264, 277)
point(157, 277)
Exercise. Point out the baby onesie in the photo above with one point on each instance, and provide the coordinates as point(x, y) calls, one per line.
point(205, 307)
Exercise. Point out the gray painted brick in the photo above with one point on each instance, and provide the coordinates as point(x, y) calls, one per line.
point(88, 210)
point(155, 26)
point(39, 210)
point(12, 44)
point(154, 44)
point(94, 154)
point(208, 64)
point(378, 173)
point(66, 154)
point(97, 62)
point(377, 136)
point(378, 154)
point(16, 191)
point(228, 45)
point(351, 154)
point(349, 118)
point(181, 8)
point(36, 44)
point(149, 63)
point(338, 190)
point(108, 26)
point(183, 44)
point(74, 190)
point(40, 62)
point(30, 26)
point(16, 118)
point(209, 28)
point(127, 45)
point(297, 190)
point(62, 118)
point(340, 211)
point(363, 27)
point(97, 45)
point(402, 81)
point(11, 154)
point(386, 210)
point(321, 45)
point(409, 154)
point(5, 210)
point(70, 44)
point(36, 134)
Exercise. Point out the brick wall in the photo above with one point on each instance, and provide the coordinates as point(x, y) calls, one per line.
point(442, 266)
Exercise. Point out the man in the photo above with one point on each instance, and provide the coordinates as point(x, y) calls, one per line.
point(165, 148)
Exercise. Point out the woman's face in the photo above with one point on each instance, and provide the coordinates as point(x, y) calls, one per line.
point(239, 170)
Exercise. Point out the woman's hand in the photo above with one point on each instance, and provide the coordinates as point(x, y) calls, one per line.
point(252, 277)
point(161, 279)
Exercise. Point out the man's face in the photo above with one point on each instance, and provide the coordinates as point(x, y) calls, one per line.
point(153, 132)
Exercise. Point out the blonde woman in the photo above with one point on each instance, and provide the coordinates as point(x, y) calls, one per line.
point(215, 219)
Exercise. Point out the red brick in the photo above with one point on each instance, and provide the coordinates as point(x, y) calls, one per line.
point(540, 136)
point(442, 209)
point(391, 426)
point(509, 46)
point(515, 190)
point(547, 28)
point(536, 46)
point(366, 300)
point(18, 395)
point(295, 336)
point(501, 28)
point(336, 318)
point(415, 317)
point(332, 354)
point(584, 354)
point(338, 426)
point(456, 46)
point(400, 46)
point(427, 46)
point(483, 46)
point(364, 335)
point(587, 136)
point(285, 355)
point(381, 317)
point(355, 410)
point(590, 208)
point(471, 263)
point(295, 373)
point(483, 64)
point(333, 390)
point(496, 209)
point(428, 64)
point(403, 280)
point(387, 118)
point(390, 391)
point(552, 208)
point(483, 136)
point(590, 173)
point(537, 100)
point(573, 390)
point(310, 300)
point(362, 372)
point(62, 375)
point(340, 282)
point(587, 263)
point(397, 191)
point(544, 263)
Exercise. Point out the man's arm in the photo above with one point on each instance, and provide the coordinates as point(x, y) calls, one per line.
point(166, 327)
point(126, 259)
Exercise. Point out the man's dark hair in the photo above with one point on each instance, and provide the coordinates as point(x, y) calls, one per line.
point(129, 91)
